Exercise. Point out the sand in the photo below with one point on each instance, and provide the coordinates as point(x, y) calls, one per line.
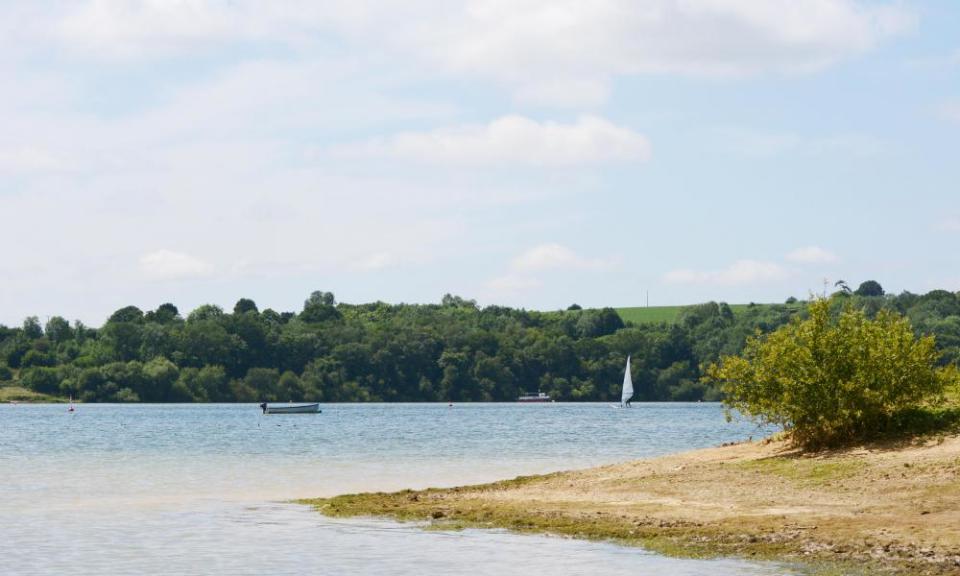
point(887, 508)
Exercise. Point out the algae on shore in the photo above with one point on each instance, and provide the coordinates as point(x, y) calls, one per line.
point(894, 509)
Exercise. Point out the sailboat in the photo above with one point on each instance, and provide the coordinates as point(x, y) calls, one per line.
point(627, 393)
point(71, 408)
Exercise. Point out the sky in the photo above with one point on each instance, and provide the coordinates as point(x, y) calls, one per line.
point(525, 153)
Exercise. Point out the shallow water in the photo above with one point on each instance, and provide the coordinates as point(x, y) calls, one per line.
point(200, 489)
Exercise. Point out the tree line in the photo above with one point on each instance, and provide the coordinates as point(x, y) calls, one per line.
point(451, 351)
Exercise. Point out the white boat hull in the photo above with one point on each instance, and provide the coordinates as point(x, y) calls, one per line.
point(299, 409)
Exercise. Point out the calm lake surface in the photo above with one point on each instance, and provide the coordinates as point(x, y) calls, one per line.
point(202, 489)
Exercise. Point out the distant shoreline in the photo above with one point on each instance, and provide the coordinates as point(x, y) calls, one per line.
point(890, 508)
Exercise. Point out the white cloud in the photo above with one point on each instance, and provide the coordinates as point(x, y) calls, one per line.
point(934, 62)
point(770, 144)
point(859, 145)
point(511, 140)
point(170, 265)
point(555, 257)
point(536, 42)
point(562, 52)
point(951, 111)
point(376, 261)
point(546, 258)
point(25, 159)
point(136, 28)
point(512, 283)
point(741, 272)
point(949, 224)
point(812, 255)
point(761, 144)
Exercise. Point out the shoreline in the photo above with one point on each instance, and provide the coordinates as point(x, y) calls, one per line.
point(890, 508)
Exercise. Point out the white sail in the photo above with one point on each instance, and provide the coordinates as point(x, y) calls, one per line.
point(627, 384)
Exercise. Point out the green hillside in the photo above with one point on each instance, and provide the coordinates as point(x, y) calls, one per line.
point(669, 314)
point(651, 314)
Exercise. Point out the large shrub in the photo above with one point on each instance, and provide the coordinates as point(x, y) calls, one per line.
point(42, 379)
point(829, 381)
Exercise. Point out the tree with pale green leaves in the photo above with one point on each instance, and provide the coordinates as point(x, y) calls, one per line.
point(830, 381)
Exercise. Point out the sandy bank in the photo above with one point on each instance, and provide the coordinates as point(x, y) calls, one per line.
point(888, 508)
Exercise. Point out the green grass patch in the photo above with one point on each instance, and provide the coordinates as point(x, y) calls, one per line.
point(650, 315)
point(806, 470)
point(670, 314)
point(461, 508)
point(952, 395)
point(21, 394)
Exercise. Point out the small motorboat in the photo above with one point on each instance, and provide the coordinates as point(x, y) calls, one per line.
point(534, 397)
point(291, 409)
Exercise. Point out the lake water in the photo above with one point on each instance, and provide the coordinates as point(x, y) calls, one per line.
point(202, 489)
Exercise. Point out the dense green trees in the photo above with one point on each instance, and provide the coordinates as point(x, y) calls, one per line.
point(454, 350)
point(869, 288)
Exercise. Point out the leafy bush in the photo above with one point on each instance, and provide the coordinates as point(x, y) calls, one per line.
point(126, 395)
point(41, 379)
point(830, 382)
point(38, 358)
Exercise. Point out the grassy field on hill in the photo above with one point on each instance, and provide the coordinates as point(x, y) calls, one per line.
point(652, 314)
point(668, 314)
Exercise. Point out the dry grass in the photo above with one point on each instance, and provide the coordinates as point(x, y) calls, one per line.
point(20, 394)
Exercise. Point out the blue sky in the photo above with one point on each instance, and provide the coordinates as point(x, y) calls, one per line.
point(528, 153)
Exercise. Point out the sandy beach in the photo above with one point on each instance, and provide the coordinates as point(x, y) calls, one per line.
point(888, 508)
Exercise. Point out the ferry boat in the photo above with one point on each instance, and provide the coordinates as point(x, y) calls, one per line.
point(531, 397)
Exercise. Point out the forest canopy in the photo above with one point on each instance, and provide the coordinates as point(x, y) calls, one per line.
point(451, 351)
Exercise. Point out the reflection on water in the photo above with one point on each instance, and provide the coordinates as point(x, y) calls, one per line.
point(199, 489)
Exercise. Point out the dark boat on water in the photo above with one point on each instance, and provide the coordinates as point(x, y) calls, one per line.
point(291, 409)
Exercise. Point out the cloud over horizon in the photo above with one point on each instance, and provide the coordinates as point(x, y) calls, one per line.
point(170, 265)
point(740, 273)
point(951, 111)
point(812, 255)
point(553, 256)
point(510, 140)
point(548, 258)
